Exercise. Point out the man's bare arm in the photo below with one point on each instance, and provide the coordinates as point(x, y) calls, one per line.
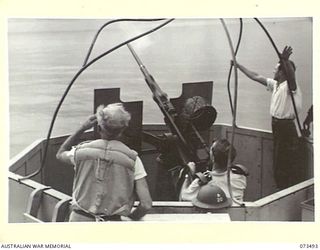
point(288, 68)
point(252, 75)
point(142, 190)
point(73, 140)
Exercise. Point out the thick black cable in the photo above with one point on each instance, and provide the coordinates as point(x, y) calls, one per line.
point(270, 38)
point(110, 22)
point(279, 55)
point(230, 69)
point(71, 83)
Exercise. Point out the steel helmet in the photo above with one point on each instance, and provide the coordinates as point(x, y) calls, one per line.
point(211, 196)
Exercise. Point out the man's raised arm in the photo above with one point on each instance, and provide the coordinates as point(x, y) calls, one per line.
point(251, 74)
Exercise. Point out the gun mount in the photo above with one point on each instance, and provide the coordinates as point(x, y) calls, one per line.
point(184, 143)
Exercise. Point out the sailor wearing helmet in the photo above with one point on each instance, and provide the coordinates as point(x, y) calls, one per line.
point(218, 175)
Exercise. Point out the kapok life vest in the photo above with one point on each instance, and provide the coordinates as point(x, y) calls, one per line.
point(104, 177)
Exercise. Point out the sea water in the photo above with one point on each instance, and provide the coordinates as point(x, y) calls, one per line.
point(45, 54)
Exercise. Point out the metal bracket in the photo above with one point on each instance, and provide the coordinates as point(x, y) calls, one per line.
point(60, 210)
point(34, 201)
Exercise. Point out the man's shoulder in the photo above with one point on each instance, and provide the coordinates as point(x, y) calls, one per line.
point(119, 145)
point(239, 169)
point(271, 81)
point(87, 143)
point(270, 84)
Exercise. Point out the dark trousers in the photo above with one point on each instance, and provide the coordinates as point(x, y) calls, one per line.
point(286, 164)
point(82, 216)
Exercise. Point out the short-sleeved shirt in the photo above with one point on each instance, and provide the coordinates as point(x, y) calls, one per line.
point(139, 171)
point(238, 185)
point(281, 103)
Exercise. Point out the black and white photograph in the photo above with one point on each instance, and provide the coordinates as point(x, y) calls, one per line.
point(159, 124)
point(120, 120)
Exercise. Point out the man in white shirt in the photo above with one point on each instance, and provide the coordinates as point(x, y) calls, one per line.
point(218, 176)
point(285, 138)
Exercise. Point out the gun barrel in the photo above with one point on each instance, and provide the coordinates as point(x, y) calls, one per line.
point(135, 55)
point(143, 69)
point(156, 90)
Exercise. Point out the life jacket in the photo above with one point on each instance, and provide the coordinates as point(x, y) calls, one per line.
point(104, 177)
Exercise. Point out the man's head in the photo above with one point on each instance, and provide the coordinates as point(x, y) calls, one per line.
point(219, 152)
point(112, 120)
point(279, 72)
